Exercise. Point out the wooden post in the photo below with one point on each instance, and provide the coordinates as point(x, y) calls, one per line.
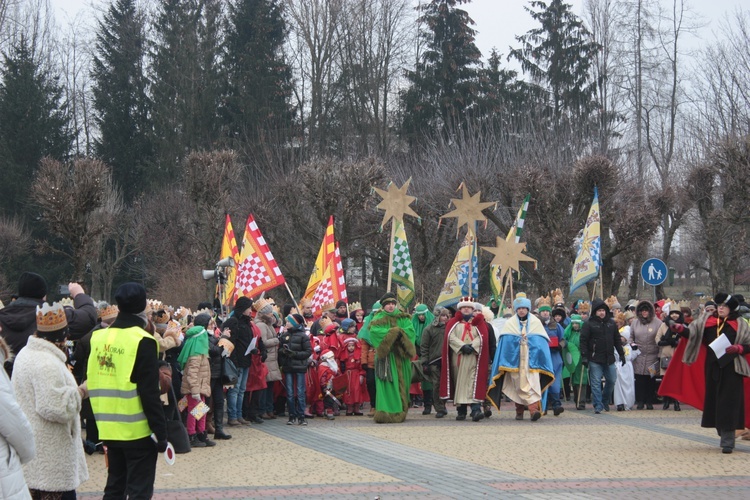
point(390, 254)
point(292, 296)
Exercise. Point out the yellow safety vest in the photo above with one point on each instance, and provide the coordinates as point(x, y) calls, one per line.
point(114, 398)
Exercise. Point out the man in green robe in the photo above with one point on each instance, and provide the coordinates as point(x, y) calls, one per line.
point(392, 335)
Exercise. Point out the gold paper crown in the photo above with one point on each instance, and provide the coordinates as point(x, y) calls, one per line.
point(260, 304)
point(153, 305)
point(305, 302)
point(181, 313)
point(355, 306)
point(205, 310)
point(683, 303)
point(611, 301)
point(66, 302)
point(544, 300)
point(557, 297)
point(109, 312)
point(50, 318)
point(584, 307)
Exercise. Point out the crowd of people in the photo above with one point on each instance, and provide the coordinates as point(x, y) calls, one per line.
point(137, 375)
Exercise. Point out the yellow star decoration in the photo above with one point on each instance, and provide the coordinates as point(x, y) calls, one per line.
point(395, 202)
point(468, 209)
point(508, 255)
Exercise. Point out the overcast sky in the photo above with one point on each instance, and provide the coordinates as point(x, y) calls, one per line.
point(497, 21)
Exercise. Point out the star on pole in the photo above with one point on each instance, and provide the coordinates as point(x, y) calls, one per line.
point(508, 255)
point(468, 209)
point(395, 202)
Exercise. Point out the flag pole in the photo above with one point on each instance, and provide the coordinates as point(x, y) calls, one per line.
point(390, 255)
point(505, 290)
point(471, 260)
point(292, 296)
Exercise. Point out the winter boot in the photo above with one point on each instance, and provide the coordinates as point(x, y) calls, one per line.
point(665, 406)
point(349, 410)
point(534, 412)
point(677, 405)
point(519, 411)
point(220, 434)
point(427, 409)
point(203, 437)
point(195, 442)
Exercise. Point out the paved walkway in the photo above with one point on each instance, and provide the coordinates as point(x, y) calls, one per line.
point(634, 454)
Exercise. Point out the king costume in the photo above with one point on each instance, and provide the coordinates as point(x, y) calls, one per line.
point(392, 335)
point(463, 375)
point(522, 368)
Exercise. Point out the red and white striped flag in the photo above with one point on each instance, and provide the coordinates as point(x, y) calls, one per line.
point(257, 271)
point(332, 287)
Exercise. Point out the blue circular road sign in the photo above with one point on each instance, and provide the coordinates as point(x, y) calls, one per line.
point(654, 272)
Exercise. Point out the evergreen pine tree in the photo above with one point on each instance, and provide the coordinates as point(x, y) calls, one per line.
point(34, 123)
point(445, 82)
point(120, 99)
point(557, 56)
point(256, 107)
point(185, 83)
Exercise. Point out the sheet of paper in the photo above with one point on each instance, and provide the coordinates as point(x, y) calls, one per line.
point(720, 345)
point(252, 345)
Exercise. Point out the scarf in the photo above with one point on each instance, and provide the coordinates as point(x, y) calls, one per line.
point(196, 344)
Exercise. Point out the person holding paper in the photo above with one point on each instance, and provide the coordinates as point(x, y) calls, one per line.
point(196, 380)
point(723, 398)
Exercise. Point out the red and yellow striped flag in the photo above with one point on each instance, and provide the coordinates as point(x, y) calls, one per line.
point(325, 256)
point(229, 249)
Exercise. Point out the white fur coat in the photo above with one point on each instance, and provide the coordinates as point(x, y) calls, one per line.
point(48, 394)
point(16, 445)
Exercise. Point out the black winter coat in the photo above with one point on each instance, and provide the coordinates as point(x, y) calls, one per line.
point(294, 351)
point(214, 355)
point(600, 338)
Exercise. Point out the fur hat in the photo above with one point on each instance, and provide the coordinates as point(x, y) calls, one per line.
point(387, 298)
point(521, 301)
point(32, 285)
point(242, 305)
point(465, 302)
point(730, 301)
point(131, 298)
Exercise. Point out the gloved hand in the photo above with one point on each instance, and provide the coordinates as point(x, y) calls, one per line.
point(161, 446)
point(196, 397)
point(466, 349)
point(623, 360)
point(584, 361)
point(263, 358)
point(677, 328)
point(634, 347)
point(735, 349)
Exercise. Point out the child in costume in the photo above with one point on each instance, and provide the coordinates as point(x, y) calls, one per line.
point(624, 394)
point(351, 363)
point(327, 370)
point(572, 361)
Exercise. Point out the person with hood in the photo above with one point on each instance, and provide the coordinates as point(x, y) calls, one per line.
point(392, 335)
point(667, 343)
point(368, 356)
point(241, 333)
point(124, 361)
point(196, 380)
point(264, 320)
point(556, 334)
point(18, 319)
point(51, 400)
point(463, 374)
point(599, 341)
point(644, 330)
point(219, 347)
point(16, 446)
point(431, 355)
point(721, 395)
point(420, 319)
point(294, 354)
point(573, 363)
point(522, 369)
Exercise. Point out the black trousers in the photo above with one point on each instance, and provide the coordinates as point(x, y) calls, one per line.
point(645, 388)
point(92, 432)
point(370, 378)
point(217, 403)
point(132, 472)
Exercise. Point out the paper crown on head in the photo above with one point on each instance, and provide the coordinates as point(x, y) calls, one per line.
point(153, 305)
point(521, 301)
point(66, 302)
point(107, 312)
point(205, 310)
point(544, 303)
point(557, 298)
point(613, 303)
point(181, 313)
point(683, 303)
point(50, 318)
point(261, 304)
point(465, 302)
point(305, 303)
point(584, 307)
point(355, 306)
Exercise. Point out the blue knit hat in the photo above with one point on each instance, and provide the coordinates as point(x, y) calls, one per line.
point(521, 301)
